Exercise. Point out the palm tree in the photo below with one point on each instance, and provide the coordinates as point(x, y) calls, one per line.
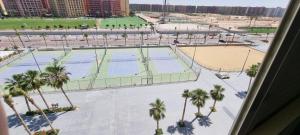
point(198, 99)
point(160, 37)
point(190, 38)
point(217, 95)
point(44, 37)
point(10, 102)
point(35, 82)
point(186, 94)
point(157, 111)
point(56, 76)
point(125, 37)
point(30, 99)
point(251, 72)
point(17, 82)
point(251, 18)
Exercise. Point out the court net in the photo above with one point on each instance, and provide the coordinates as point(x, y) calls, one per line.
point(162, 58)
point(46, 63)
point(123, 60)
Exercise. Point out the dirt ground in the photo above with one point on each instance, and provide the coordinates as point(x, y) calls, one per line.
point(226, 58)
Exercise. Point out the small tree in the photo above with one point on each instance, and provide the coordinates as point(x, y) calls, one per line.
point(251, 72)
point(217, 95)
point(198, 99)
point(56, 76)
point(186, 94)
point(157, 111)
point(10, 102)
point(35, 82)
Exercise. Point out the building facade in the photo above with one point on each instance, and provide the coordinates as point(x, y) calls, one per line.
point(106, 8)
point(226, 10)
point(66, 8)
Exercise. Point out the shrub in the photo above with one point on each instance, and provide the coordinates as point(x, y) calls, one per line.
point(48, 132)
point(159, 131)
point(53, 110)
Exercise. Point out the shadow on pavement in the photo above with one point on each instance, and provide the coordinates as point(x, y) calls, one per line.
point(204, 121)
point(34, 123)
point(187, 130)
point(241, 94)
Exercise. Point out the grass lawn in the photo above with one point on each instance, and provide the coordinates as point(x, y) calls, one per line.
point(34, 23)
point(262, 30)
point(121, 21)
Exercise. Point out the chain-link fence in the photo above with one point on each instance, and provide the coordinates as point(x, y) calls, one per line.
point(85, 84)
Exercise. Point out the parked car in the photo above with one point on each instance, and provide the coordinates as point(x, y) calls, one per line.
point(222, 76)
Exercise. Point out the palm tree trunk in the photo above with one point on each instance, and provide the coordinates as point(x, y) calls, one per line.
point(157, 124)
point(159, 41)
point(45, 42)
point(43, 99)
point(125, 40)
point(27, 104)
point(214, 105)
point(199, 111)
point(63, 91)
point(21, 120)
point(184, 107)
point(249, 83)
point(41, 111)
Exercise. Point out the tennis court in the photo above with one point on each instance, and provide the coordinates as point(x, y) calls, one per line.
point(27, 63)
point(118, 67)
point(166, 66)
point(77, 58)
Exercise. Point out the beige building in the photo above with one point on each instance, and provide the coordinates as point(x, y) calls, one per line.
point(67, 8)
point(124, 7)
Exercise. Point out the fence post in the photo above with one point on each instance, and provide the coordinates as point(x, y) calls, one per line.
point(120, 81)
point(170, 78)
point(161, 78)
point(78, 84)
point(179, 77)
point(131, 81)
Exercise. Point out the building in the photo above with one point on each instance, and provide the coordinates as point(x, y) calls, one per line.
point(225, 10)
point(125, 10)
point(25, 7)
point(67, 8)
point(106, 8)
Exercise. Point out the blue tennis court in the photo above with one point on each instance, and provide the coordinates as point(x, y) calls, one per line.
point(81, 63)
point(123, 64)
point(27, 63)
point(164, 60)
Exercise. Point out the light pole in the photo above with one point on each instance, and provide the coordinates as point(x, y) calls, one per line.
point(245, 62)
point(33, 56)
point(194, 56)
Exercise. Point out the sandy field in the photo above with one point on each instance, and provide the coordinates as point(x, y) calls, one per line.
point(226, 58)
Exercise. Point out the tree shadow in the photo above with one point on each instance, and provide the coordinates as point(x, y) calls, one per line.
point(241, 94)
point(204, 121)
point(187, 130)
point(34, 123)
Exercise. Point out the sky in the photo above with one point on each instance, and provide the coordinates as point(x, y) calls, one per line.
point(252, 3)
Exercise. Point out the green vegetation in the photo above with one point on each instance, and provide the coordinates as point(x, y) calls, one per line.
point(44, 23)
point(49, 132)
point(262, 30)
point(52, 110)
point(122, 22)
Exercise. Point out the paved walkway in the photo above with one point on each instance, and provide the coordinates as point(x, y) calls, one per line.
point(125, 111)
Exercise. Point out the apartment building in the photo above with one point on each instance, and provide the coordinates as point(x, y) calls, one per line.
point(67, 8)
